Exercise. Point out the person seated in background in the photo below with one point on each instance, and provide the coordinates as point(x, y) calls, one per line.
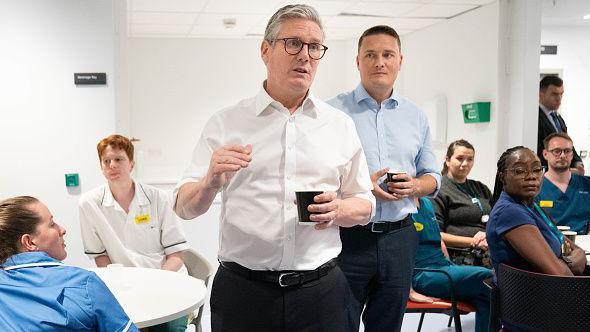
point(40, 293)
point(128, 222)
point(467, 280)
point(519, 232)
point(462, 207)
point(564, 195)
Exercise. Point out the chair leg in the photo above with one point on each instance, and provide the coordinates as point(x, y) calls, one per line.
point(458, 327)
point(421, 320)
point(450, 321)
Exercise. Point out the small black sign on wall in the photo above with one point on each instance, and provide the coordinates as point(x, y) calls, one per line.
point(90, 78)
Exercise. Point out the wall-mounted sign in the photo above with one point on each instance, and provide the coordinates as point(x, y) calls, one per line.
point(90, 78)
point(476, 112)
point(549, 49)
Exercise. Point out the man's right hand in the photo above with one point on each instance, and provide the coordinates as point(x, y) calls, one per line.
point(377, 191)
point(225, 162)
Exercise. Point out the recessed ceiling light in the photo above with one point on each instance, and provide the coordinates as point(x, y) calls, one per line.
point(587, 17)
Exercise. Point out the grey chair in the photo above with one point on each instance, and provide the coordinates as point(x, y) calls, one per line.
point(198, 267)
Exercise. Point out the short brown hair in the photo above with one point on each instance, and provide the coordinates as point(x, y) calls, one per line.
point(117, 142)
point(16, 220)
point(380, 30)
point(552, 136)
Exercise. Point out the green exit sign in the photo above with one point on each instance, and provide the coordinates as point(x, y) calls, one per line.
point(72, 180)
point(476, 112)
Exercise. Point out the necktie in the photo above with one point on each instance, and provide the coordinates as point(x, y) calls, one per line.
point(556, 121)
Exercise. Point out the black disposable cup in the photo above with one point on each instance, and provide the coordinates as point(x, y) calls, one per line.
point(304, 199)
point(390, 178)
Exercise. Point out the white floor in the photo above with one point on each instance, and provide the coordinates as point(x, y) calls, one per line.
point(432, 323)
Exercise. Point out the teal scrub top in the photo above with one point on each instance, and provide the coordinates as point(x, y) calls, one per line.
point(429, 253)
point(571, 208)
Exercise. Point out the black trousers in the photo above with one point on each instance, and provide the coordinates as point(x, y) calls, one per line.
point(241, 304)
point(379, 268)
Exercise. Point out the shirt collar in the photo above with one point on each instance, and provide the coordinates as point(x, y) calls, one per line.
point(109, 200)
point(546, 110)
point(29, 258)
point(265, 102)
point(360, 94)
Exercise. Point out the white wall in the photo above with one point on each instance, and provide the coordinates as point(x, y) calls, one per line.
point(177, 84)
point(573, 58)
point(49, 126)
point(458, 59)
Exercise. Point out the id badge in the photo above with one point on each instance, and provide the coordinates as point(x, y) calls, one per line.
point(485, 218)
point(140, 219)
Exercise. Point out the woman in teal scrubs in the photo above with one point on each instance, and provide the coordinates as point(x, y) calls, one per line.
point(467, 280)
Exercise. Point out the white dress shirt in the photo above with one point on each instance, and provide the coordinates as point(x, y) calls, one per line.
point(315, 148)
point(150, 230)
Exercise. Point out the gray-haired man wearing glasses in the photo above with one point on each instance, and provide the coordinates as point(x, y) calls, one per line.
point(277, 275)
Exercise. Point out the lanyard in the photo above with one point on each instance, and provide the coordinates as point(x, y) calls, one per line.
point(552, 227)
point(474, 199)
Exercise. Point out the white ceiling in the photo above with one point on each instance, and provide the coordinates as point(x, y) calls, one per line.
point(566, 13)
point(343, 19)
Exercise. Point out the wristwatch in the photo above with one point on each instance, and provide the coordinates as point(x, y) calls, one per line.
point(568, 261)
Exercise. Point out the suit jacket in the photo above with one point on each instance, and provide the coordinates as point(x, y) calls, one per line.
point(546, 128)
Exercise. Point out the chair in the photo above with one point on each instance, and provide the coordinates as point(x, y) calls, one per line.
point(540, 302)
point(450, 307)
point(198, 267)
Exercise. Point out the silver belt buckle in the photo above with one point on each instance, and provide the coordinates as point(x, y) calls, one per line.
point(285, 275)
point(373, 227)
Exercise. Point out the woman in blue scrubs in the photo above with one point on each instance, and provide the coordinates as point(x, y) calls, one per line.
point(467, 280)
point(39, 292)
point(519, 233)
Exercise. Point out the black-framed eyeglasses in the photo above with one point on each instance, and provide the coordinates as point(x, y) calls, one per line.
point(557, 152)
point(522, 172)
point(293, 46)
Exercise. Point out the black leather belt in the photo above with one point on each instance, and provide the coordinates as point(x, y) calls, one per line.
point(281, 278)
point(388, 226)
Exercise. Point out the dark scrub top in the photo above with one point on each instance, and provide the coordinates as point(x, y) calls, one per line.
point(507, 214)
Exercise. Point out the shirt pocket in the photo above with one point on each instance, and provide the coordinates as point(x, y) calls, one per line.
point(147, 237)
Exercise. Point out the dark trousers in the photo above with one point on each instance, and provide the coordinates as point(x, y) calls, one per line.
point(242, 304)
point(379, 269)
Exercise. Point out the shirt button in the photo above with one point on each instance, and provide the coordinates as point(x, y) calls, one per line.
point(291, 119)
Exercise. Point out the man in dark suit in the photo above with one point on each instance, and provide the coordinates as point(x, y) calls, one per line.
point(550, 93)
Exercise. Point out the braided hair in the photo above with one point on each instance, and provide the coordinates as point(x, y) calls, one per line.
point(502, 165)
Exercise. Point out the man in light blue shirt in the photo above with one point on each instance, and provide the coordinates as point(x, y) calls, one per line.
point(378, 259)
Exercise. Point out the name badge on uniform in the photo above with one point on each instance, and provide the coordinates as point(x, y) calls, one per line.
point(546, 204)
point(419, 226)
point(142, 218)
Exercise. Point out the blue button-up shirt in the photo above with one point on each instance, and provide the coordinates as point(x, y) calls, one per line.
point(39, 293)
point(394, 134)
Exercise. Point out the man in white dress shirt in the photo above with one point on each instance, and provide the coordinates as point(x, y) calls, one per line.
point(277, 275)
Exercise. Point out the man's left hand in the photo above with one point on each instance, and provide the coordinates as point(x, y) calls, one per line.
point(325, 212)
point(409, 186)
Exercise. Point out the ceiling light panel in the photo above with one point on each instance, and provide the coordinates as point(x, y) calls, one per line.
point(168, 5)
point(382, 8)
point(439, 11)
point(163, 18)
point(241, 20)
point(242, 7)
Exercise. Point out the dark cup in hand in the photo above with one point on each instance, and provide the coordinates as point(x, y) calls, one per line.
point(304, 199)
point(390, 178)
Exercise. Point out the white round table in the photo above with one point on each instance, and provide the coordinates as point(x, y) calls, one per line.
point(151, 296)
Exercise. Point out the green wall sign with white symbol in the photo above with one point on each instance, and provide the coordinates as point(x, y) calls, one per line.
point(476, 112)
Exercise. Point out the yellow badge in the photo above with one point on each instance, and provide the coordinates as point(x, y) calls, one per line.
point(419, 226)
point(142, 218)
point(546, 204)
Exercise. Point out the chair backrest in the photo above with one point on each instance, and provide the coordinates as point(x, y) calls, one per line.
point(543, 302)
point(197, 266)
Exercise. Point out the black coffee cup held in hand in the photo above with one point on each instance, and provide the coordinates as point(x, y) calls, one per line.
point(390, 178)
point(304, 200)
